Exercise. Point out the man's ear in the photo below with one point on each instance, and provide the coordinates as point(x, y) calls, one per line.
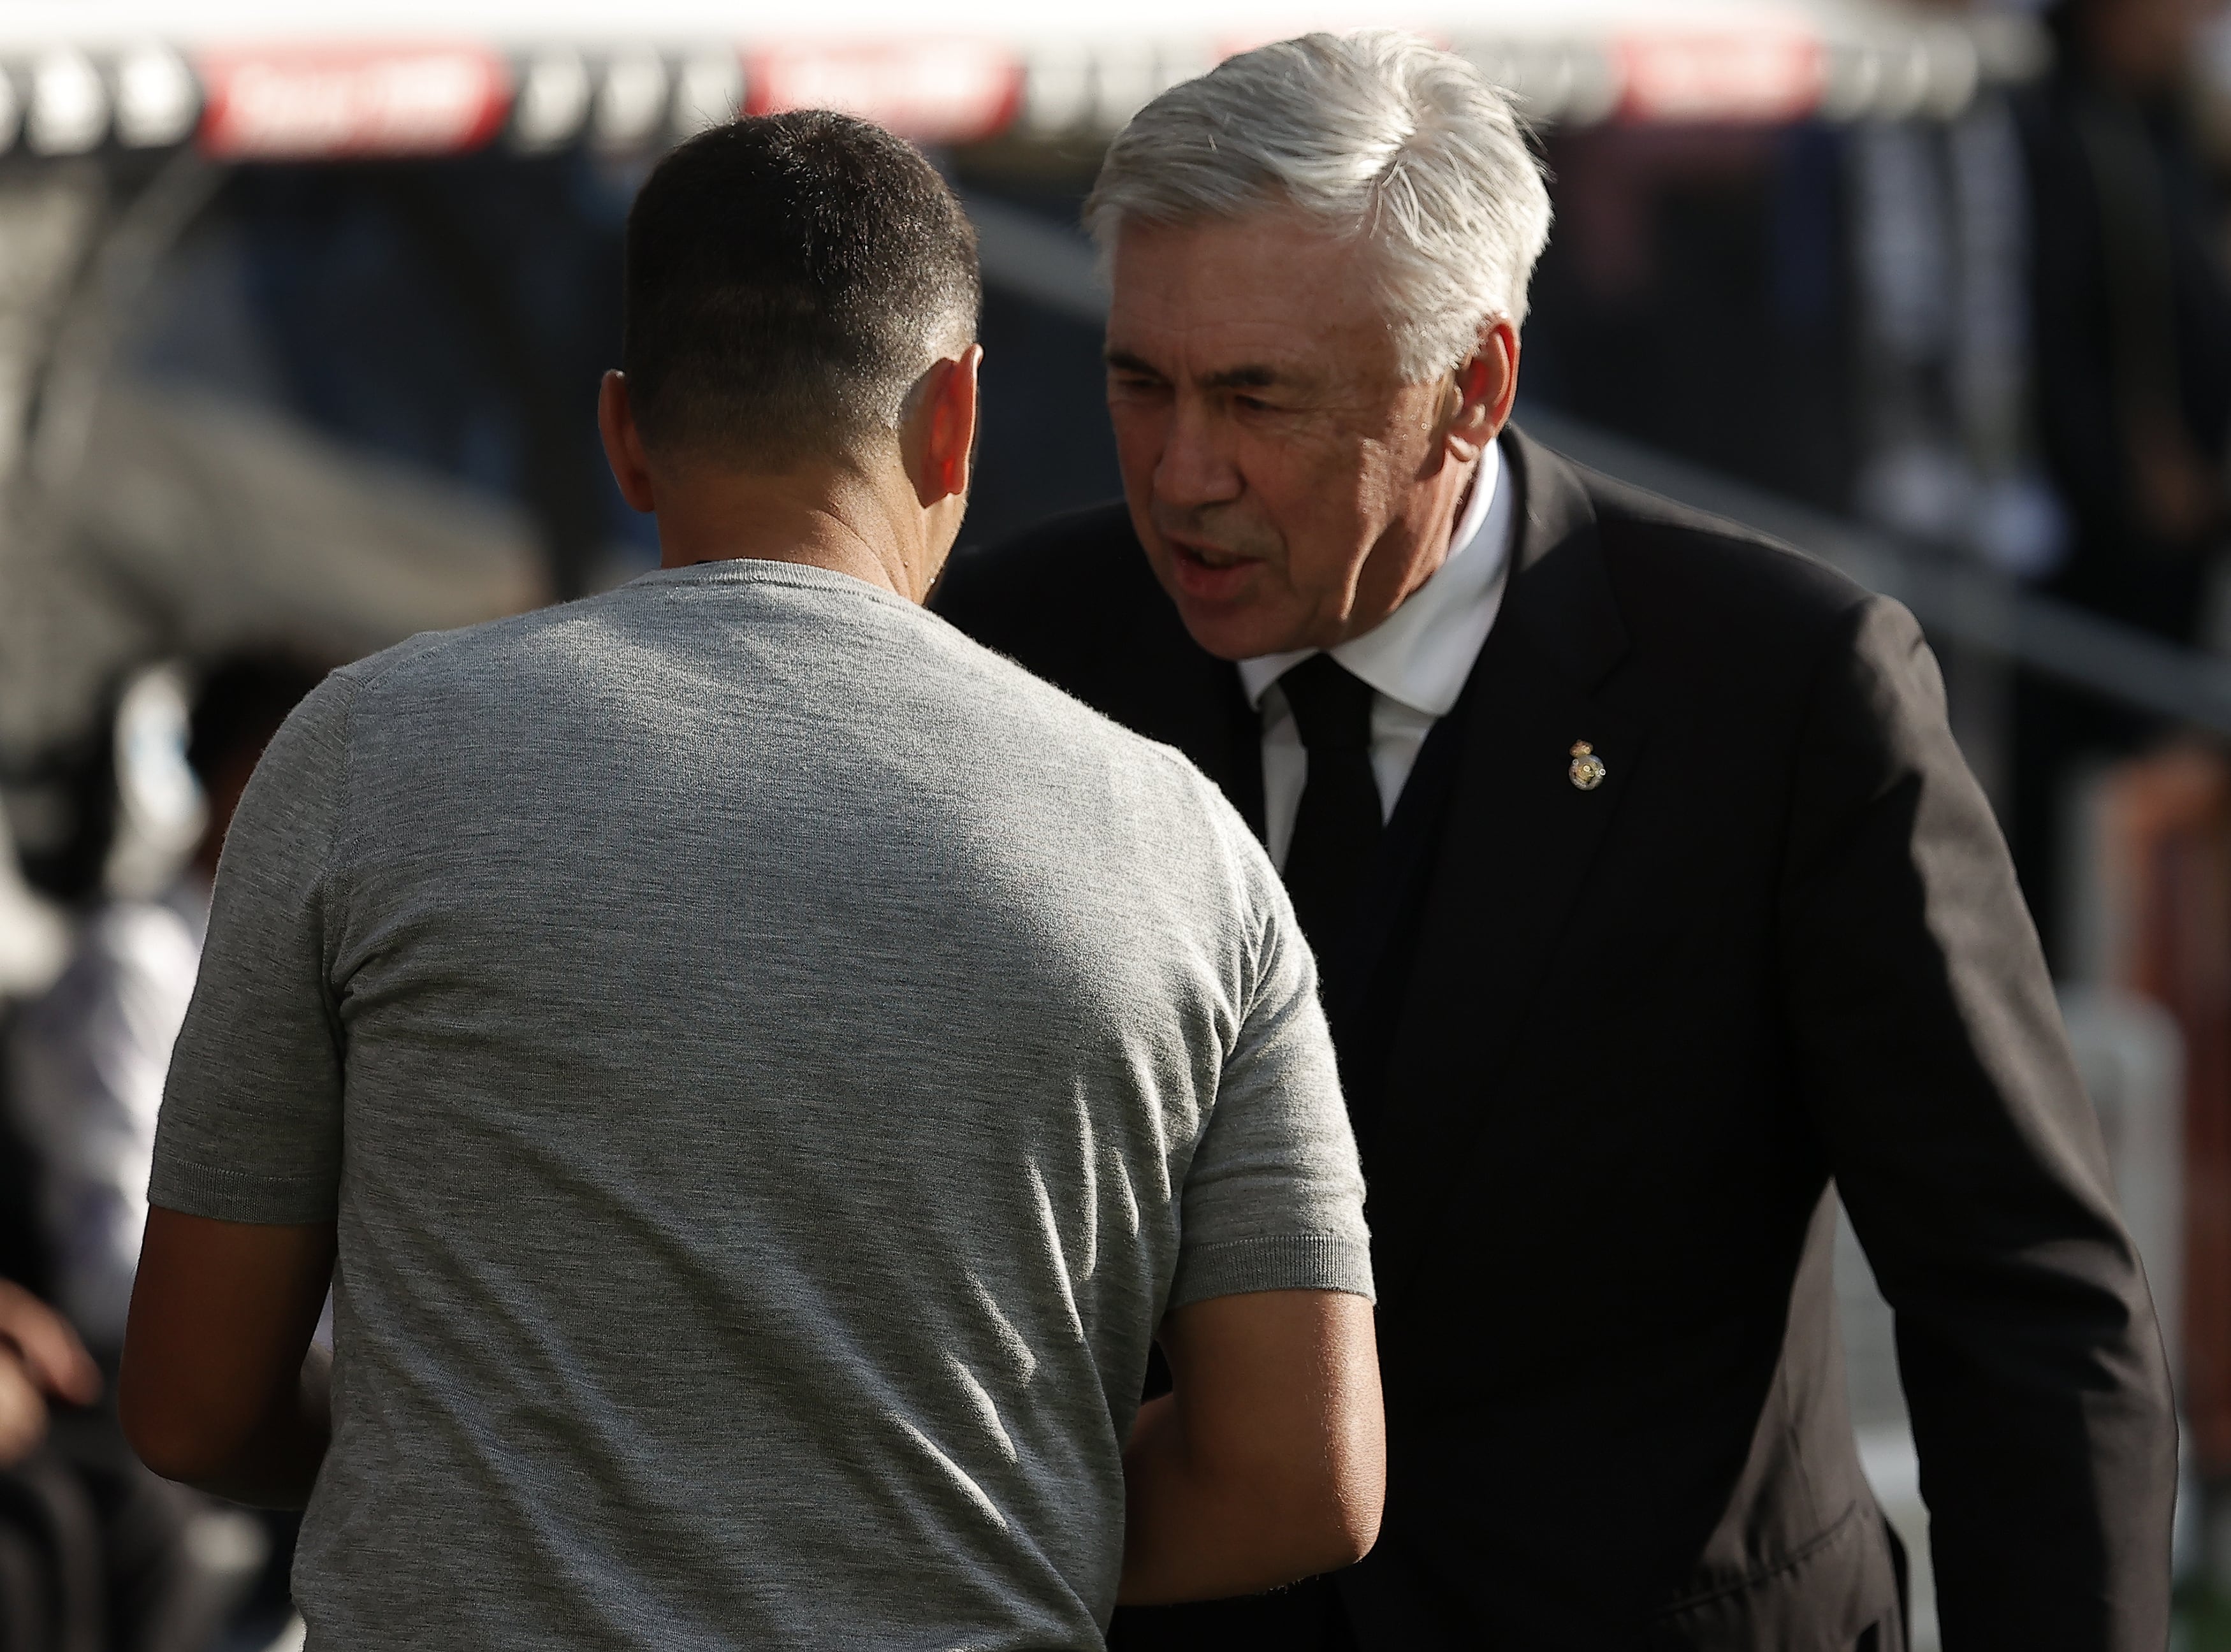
point(1486, 385)
point(623, 443)
point(942, 433)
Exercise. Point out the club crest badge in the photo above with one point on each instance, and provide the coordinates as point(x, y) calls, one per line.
point(1587, 769)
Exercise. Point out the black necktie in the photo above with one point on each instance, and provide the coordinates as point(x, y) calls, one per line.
point(1337, 826)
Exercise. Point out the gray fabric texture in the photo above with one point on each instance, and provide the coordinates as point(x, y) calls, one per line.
point(771, 1063)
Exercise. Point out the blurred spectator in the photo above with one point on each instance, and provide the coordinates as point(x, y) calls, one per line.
point(1940, 229)
point(94, 1552)
point(50, 1552)
point(40, 1356)
point(2132, 330)
point(2133, 314)
point(90, 1057)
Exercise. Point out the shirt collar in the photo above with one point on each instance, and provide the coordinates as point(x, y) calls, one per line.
point(1421, 653)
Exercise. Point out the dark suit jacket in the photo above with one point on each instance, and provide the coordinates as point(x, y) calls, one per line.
point(1616, 1042)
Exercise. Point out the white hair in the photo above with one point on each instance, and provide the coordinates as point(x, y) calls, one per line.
point(1374, 134)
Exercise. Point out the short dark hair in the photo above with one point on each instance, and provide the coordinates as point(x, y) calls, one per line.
point(789, 278)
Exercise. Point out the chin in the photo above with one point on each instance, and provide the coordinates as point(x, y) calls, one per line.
point(1234, 632)
point(1248, 620)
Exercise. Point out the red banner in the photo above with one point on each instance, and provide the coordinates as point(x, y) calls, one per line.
point(947, 92)
point(294, 104)
point(1770, 75)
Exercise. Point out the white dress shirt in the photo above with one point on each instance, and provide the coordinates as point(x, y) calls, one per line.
point(1416, 659)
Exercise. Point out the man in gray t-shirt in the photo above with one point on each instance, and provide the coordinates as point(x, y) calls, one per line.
point(765, 1066)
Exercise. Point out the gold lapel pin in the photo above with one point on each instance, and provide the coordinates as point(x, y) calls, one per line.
point(1587, 769)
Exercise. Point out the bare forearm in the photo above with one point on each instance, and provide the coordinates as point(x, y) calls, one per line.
point(276, 1465)
point(1192, 1532)
point(221, 1387)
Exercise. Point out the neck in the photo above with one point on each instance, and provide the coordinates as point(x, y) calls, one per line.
point(1452, 491)
point(832, 516)
point(1459, 505)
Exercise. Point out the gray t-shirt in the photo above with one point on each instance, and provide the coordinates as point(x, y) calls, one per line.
point(773, 1063)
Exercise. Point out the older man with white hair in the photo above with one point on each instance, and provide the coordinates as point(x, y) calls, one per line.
point(1653, 898)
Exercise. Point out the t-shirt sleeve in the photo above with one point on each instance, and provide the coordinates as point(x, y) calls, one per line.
point(251, 1123)
point(1274, 1198)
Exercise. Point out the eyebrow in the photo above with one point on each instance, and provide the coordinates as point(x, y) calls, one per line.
point(1124, 361)
point(1249, 377)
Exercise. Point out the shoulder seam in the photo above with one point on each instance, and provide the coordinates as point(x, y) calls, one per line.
point(1702, 524)
point(398, 656)
point(1222, 817)
point(1841, 636)
point(327, 881)
point(1616, 498)
point(1848, 620)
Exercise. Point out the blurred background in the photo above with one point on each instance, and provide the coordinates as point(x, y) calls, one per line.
point(301, 325)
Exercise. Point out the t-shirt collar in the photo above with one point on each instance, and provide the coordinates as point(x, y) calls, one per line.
point(1421, 653)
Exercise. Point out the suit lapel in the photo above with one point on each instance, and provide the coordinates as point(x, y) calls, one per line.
point(1514, 853)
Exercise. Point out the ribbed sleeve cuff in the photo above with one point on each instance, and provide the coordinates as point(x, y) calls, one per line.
point(234, 1196)
point(1306, 1262)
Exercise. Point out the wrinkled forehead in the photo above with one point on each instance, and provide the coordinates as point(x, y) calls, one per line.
point(1270, 291)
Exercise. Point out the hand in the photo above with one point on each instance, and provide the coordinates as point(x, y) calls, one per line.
point(40, 1355)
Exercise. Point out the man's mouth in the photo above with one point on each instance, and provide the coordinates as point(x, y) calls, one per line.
point(1208, 572)
point(1210, 556)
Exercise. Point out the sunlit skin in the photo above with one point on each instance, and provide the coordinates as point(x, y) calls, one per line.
point(1290, 488)
point(883, 511)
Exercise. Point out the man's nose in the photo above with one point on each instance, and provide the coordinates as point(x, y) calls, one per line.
point(1197, 466)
